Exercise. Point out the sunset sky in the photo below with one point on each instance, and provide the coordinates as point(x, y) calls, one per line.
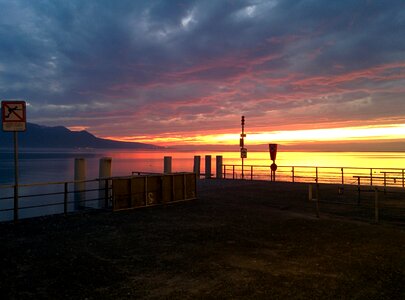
point(183, 72)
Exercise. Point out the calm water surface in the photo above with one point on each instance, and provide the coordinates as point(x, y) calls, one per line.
point(51, 165)
point(55, 166)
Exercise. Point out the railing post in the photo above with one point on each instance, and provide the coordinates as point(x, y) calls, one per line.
point(65, 199)
point(343, 177)
point(316, 178)
point(233, 171)
point(292, 171)
point(385, 182)
point(376, 217)
point(106, 193)
point(403, 182)
point(251, 172)
point(317, 200)
point(371, 177)
point(358, 190)
point(80, 185)
point(15, 203)
point(224, 171)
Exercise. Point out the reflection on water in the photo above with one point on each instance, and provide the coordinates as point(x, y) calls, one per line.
point(56, 166)
point(45, 166)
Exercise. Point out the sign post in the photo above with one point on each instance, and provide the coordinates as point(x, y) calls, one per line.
point(14, 119)
point(273, 155)
point(243, 150)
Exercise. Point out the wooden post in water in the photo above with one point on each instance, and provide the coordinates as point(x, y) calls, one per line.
point(208, 166)
point(219, 167)
point(104, 172)
point(167, 168)
point(197, 164)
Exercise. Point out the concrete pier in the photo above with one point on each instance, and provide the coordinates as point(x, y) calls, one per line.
point(197, 163)
point(104, 172)
point(219, 167)
point(208, 166)
point(80, 175)
point(167, 169)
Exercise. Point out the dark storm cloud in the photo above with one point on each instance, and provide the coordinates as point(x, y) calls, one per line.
point(88, 62)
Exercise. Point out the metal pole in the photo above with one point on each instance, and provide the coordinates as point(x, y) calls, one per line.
point(343, 178)
point(316, 178)
point(15, 176)
point(243, 144)
point(242, 167)
point(376, 217)
point(106, 193)
point(317, 200)
point(371, 177)
point(65, 199)
point(293, 179)
point(251, 172)
point(358, 190)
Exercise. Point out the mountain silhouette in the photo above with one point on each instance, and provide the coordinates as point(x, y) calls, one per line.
point(37, 136)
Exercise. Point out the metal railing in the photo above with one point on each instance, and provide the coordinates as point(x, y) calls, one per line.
point(63, 197)
point(69, 198)
point(387, 177)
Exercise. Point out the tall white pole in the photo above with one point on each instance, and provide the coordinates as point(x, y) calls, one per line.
point(219, 167)
point(167, 169)
point(208, 166)
point(104, 172)
point(197, 164)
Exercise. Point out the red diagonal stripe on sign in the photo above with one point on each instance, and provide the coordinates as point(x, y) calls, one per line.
point(15, 113)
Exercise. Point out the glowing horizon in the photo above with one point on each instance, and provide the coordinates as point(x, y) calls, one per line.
point(287, 137)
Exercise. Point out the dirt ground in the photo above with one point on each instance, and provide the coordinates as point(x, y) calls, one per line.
point(239, 240)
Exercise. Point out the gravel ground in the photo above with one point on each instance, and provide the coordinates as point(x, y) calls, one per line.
point(239, 240)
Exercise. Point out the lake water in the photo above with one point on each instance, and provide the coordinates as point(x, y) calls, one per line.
point(51, 166)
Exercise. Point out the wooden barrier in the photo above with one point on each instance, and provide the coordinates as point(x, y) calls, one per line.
point(147, 190)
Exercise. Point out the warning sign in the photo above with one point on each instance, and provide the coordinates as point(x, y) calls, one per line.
point(243, 153)
point(273, 151)
point(13, 115)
